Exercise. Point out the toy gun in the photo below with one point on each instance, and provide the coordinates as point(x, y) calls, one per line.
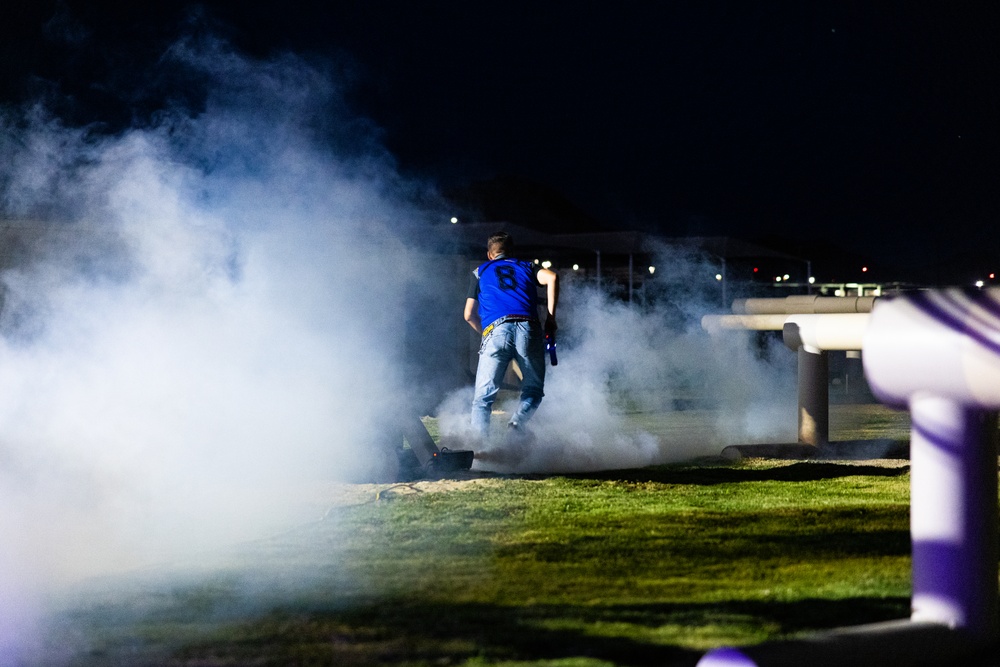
point(550, 347)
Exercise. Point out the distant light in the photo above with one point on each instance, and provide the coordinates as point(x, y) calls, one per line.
point(454, 221)
point(718, 276)
point(652, 270)
point(980, 283)
point(992, 276)
point(864, 269)
point(786, 276)
point(777, 279)
point(546, 264)
point(755, 269)
point(537, 262)
point(576, 267)
point(812, 279)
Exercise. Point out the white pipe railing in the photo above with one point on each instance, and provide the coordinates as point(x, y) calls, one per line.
point(766, 322)
point(826, 333)
point(804, 304)
point(811, 336)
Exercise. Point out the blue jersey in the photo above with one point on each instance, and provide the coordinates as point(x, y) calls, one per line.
point(505, 287)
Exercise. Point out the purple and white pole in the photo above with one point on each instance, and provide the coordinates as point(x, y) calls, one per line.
point(938, 354)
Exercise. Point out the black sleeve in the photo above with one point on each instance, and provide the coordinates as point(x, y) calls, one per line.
point(473, 292)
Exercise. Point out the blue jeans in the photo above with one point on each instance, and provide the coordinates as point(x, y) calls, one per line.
point(523, 341)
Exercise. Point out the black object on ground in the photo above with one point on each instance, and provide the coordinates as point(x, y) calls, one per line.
point(446, 460)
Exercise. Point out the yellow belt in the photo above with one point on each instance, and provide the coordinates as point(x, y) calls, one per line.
point(515, 318)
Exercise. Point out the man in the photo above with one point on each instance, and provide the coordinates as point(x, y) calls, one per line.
point(502, 305)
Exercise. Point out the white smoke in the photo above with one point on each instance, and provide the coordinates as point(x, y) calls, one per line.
point(639, 383)
point(199, 315)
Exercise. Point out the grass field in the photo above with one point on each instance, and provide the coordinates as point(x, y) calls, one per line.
point(635, 567)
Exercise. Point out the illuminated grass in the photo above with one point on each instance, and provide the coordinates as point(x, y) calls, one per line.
point(621, 568)
point(635, 567)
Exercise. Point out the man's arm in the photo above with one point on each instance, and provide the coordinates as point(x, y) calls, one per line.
point(472, 315)
point(550, 280)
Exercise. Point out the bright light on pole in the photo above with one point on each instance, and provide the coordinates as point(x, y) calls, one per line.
point(454, 220)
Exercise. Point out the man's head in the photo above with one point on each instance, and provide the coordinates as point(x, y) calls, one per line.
point(500, 243)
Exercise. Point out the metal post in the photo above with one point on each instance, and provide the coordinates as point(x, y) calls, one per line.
point(630, 277)
point(812, 336)
point(814, 396)
point(725, 298)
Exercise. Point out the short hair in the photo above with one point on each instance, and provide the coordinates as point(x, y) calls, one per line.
point(500, 243)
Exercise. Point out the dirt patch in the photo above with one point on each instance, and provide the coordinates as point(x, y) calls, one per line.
point(333, 495)
point(341, 494)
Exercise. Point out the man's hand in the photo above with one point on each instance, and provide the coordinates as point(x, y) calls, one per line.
point(550, 279)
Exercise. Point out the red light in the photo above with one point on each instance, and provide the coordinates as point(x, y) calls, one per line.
point(864, 269)
point(992, 276)
point(755, 269)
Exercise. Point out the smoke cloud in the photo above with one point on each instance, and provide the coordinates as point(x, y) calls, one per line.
point(198, 314)
point(235, 296)
point(640, 383)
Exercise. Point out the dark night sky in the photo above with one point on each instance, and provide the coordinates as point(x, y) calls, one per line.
point(870, 125)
